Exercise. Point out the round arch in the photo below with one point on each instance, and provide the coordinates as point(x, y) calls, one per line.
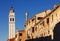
point(56, 32)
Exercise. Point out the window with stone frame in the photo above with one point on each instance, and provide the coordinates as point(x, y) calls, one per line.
point(43, 23)
point(52, 18)
point(47, 20)
point(39, 18)
point(32, 29)
point(20, 34)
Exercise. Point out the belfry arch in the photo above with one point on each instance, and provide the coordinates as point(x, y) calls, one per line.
point(56, 32)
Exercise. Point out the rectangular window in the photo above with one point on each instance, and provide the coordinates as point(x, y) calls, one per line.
point(33, 29)
point(20, 34)
point(43, 23)
point(47, 20)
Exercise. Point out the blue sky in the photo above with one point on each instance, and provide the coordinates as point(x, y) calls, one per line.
point(20, 7)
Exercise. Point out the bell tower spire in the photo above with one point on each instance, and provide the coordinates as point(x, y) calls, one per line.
point(11, 23)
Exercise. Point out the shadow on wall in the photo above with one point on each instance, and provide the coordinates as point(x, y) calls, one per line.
point(48, 38)
point(56, 32)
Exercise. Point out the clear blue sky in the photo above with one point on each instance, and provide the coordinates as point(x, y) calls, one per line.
point(21, 6)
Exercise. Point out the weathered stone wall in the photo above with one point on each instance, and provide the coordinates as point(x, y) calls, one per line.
point(45, 25)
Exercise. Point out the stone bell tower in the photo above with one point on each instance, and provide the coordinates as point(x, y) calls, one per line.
point(11, 23)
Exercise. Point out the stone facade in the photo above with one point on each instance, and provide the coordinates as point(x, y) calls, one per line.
point(42, 24)
point(20, 35)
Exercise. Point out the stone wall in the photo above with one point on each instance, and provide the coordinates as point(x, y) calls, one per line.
point(44, 25)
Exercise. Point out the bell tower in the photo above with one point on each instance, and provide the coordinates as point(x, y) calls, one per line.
point(11, 23)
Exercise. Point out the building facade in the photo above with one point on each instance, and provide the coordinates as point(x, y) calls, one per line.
point(42, 24)
point(20, 35)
